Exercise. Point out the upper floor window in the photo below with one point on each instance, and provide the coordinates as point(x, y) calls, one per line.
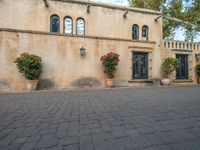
point(80, 26)
point(55, 23)
point(135, 32)
point(145, 33)
point(68, 25)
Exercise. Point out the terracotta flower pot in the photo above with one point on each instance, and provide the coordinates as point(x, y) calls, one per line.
point(109, 83)
point(165, 81)
point(31, 85)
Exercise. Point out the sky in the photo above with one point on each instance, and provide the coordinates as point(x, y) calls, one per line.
point(118, 2)
point(179, 33)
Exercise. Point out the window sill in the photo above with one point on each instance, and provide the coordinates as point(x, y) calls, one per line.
point(182, 80)
point(140, 81)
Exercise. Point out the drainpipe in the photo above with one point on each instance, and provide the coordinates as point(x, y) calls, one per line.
point(46, 3)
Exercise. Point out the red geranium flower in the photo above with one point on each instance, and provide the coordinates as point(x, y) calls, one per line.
point(110, 61)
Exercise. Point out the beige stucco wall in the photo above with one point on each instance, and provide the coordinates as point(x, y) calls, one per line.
point(62, 63)
point(101, 21)
point(25, 25)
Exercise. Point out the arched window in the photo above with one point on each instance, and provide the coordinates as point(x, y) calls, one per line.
point(80, 26)
point(54, 24)
point(135, 32)
point(68, 25)
point(145, 33)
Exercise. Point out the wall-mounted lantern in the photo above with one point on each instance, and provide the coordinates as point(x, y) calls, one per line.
point(82, 51)
point(198, 56)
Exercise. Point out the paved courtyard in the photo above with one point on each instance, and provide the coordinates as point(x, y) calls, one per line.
point(117, 119)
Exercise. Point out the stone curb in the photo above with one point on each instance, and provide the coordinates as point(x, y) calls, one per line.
point(95, 89)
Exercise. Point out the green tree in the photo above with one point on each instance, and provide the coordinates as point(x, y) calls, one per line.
point(148, 4)
point(192, 15)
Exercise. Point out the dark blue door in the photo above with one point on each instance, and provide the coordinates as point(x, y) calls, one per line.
point(140, 65)
point(182, 71)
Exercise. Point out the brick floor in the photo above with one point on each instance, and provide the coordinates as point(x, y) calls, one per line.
point(117, 119)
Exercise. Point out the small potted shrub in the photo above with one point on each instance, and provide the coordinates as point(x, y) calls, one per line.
point(168, 66)
point(110, 62)
point(30, 66)
point(198, 72)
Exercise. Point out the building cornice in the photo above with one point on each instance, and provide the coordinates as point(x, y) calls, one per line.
point(111, 6)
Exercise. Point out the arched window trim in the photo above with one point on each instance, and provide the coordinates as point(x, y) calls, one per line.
point(54, 15)
point(137, 35)
point(77, 26)
point(147, 34)
point(64, 24)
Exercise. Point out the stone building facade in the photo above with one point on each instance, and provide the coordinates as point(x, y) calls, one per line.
point(58, 31)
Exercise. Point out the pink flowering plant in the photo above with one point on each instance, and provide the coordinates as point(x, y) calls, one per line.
point(110, 62)
point(29, 65)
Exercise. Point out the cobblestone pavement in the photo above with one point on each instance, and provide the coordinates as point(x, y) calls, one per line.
point(117, 119)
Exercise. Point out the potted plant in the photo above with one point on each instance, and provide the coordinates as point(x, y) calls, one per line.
point(110, 62)
point(168, 66)
point(30, 66)
point(198, 72)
